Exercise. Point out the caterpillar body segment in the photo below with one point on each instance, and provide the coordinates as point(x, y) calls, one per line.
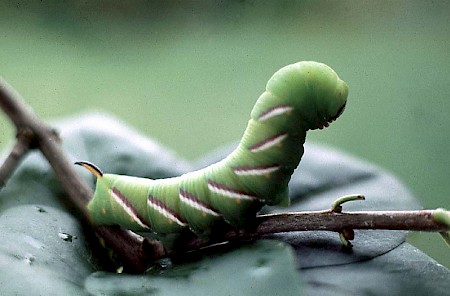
point(298, 98)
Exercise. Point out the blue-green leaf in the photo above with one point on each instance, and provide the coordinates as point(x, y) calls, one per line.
point(44, 248)
point(263, 268)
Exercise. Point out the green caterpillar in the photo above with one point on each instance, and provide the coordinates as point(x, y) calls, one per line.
point(299, 97)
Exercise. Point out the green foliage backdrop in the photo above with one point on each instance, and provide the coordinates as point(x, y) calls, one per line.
point(188, 73)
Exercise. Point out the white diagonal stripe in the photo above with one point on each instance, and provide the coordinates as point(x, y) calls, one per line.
point(255, 171)
point(165, 212)
point(275, 112)
point(229, 193)
point(269, 143)
point(128, 210)
point(197, 205)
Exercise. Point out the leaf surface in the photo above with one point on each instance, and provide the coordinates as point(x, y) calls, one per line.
point(37, 225)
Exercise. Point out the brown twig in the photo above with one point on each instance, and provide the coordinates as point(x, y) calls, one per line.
point(129, 247)
point(22, 146)
point(420, 220)
point(136, 253)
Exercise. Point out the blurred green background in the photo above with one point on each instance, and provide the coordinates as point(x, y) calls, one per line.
point(188, 73)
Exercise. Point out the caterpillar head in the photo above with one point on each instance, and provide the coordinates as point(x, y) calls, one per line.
point(314, 90)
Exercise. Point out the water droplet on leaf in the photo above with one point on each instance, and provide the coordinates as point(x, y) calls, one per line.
point(29, 258)
point(41, 209)
point(66, 236)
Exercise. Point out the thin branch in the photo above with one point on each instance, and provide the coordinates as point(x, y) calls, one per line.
point(420, 220)
point(22, 146)
point(136, 252)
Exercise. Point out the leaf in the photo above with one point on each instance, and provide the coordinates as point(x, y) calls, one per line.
point(35, 259)
point(402, 271)
point(263, 268)
point(32, 206)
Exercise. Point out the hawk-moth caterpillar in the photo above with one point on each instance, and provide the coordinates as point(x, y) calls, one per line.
point(299, 97)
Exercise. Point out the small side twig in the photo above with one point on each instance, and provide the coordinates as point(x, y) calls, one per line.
point(336, 206)
point(346, 234)
point(24, 143)
point(442, 216)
